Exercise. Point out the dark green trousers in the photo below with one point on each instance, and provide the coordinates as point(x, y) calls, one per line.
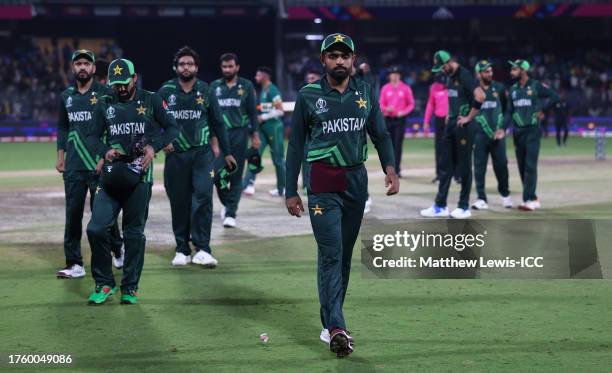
point(336, 219)
point(273, 134)
point(239, 140)
point(188, 179)
point(76, 186)
point(456, 149)
point(483, 146)
point(527, 149)
point(135, 208)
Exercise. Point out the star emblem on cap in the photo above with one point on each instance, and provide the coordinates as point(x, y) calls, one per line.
point(141, 110)
point(117, 70)
point(199, 100)
point(338, 38)
point(361, 102)
point(93, 100)
point(317, 210)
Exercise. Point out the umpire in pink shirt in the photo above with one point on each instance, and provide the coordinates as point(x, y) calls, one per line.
point(396, 102)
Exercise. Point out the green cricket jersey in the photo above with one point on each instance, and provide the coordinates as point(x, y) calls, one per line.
point(194, 113)
point(267, 99)
point(524, 103)
point(335, 126)
point(76, 115)
point(125, 123)
point(461, 87)
point(237, 104)
point(491, 114)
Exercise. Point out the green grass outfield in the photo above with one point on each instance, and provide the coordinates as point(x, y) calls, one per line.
point(193, 320)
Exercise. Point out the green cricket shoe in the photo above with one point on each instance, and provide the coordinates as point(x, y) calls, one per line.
point(129, 297)
point(101, 294)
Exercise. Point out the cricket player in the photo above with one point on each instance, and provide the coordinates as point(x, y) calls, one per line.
point(331, 118)
point(528, 100)
point(77, 163)
point(464, 100)
point(236, 98)
point(490, 137)
point(189, 167)
point(137, 125)
point(271, 131)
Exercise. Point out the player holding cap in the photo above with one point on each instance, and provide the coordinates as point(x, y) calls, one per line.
point(131, 119)
point(490, 137)
point(331, 117)
point(464, 100)
point(528, 100)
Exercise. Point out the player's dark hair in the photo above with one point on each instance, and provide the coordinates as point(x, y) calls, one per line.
point(313, 71)
point(186, 51)
point(225, 57)
point(101, 69)
point(265, 69)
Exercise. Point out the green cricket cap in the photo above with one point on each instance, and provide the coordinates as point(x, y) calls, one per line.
point(521, 64)
point(120, 71)
point(337, 38)
point(83, 53)
point(482, 65)
point(440, 58)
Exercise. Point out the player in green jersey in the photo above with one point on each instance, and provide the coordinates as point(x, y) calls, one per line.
point(528, 100)
point(77, 163)
point(490, 137)
point(189, 169)
point(271, 131)
point(331, 118)
point(136, 124)
point(236, 98)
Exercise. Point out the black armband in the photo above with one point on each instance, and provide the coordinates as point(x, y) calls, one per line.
point(476, 105)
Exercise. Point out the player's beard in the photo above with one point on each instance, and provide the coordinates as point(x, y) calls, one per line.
point(124, 96)
point(186, 77)
point(229, 76)
point(83, 78)
point(339, 74)
point(487, 81)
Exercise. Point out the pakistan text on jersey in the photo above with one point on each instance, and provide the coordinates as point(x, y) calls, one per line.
point(127, 128)
point(229, 102)
point(343, 125)
point(489, 105)
point(186, 114)
point(522, 102)
point(79, 116)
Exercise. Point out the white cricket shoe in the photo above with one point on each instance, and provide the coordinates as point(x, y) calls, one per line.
point(536, 203)
point(205, 259)
point(181, 259)
point(74, 271)
point(366, 209)
point(460, 213)
point(507, 202)
point(324, 336)
point(249, 190)
point(528, 206)
point(229, 222)
point(118, 262)
point(435, 212)
point(480, 204)
point(275, 193)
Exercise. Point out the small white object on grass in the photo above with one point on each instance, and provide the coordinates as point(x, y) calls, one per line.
point(263, 337)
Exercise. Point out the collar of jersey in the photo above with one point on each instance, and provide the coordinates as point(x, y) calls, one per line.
point(328, 89)
point(196, 87)
point(95, 86)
